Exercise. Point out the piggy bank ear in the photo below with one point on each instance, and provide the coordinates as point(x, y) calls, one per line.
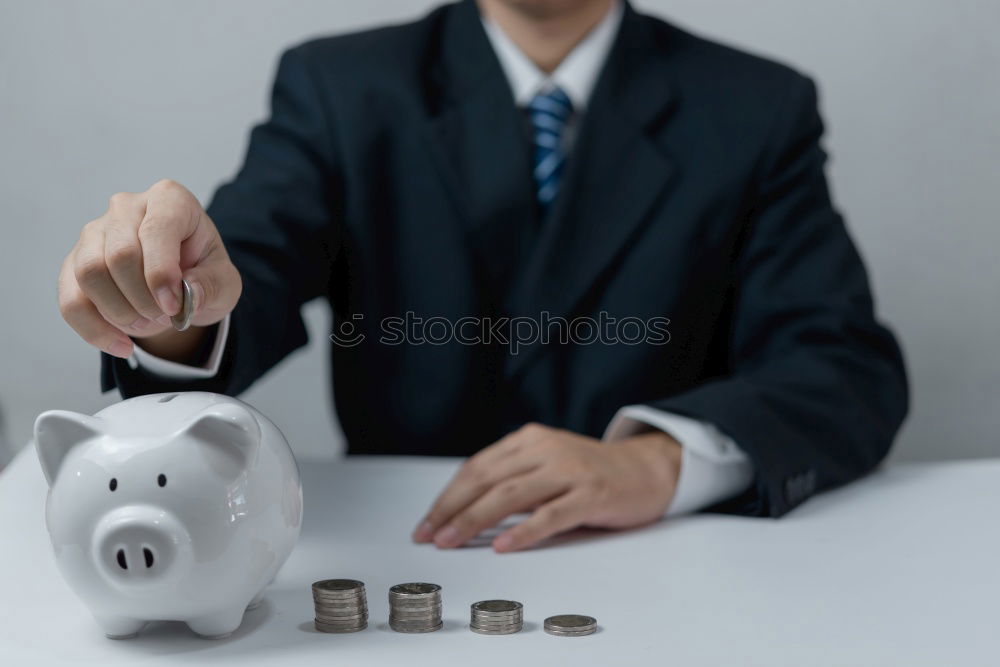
point(227, 434)
point(56, 433)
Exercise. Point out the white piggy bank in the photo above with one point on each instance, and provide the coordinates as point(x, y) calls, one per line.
point(169, 507)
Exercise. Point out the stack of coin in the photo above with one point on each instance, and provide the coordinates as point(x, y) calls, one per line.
point(415, 607)
point(570, 625)
point(341, 605)
point(497, 617)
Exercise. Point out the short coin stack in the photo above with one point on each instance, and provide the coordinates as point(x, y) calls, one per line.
point(341, 605)
point(497, 617)
point(570, 625)
point(415, 607)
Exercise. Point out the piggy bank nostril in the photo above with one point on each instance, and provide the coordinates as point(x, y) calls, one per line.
point(120, 557)
point(147, 554)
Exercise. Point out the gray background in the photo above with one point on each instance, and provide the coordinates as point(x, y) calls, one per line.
point(104, 96)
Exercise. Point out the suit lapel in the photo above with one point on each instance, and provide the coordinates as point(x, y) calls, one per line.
point(615, 173)
point(480, 143)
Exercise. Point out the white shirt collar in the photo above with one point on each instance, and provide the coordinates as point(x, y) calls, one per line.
point(576, 74)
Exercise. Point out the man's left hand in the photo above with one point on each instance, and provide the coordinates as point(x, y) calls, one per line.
point(569, 480)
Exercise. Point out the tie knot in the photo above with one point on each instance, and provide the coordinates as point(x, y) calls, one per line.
point(554, 104)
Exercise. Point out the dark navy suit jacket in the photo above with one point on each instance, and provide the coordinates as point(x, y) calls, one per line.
point(394, 176)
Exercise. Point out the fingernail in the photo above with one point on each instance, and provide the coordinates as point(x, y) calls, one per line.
point(140, 324)
point(163, 319)
point(447, 537)
point(423, 532)
point(167, 301)
point(120, 348)
point(503, 542)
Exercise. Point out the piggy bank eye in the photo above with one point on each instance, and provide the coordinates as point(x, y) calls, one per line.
point(161, 479)
point(113, 484)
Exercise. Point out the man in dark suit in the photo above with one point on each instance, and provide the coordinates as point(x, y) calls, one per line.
point(540, 170)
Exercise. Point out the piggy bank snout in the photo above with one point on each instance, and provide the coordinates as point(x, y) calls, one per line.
point(140, 544)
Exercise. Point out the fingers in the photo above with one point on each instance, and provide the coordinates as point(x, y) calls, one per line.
point(559, 515)
point(170, 219)
point(81, 314)
point(512, 495)
point(510, 456)
point(93, 277)
point(123, 256)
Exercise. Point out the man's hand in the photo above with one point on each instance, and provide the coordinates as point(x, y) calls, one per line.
point(567, 479)
point(123, 276)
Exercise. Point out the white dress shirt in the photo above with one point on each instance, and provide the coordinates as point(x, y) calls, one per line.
point(713, 468)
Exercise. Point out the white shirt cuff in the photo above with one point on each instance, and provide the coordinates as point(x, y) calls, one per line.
point(713, 467)
point(174, 371)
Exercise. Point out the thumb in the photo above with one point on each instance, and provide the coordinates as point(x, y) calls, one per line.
point(215, 286)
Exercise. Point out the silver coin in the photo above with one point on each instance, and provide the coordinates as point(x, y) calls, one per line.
point(341, 612)
point(503, 630)
point(415, 614)
point(413, 589)
point(354, 618)
point(338, 586)
point(182, 320)
point(415, 629)
point(436, 604)
point(429, 620)
point(570, 622)
point(504, 619)
point(414, 623)
point(347, 609)
point(356, 609)
point(497, 606)
point(580, 633)
point(341, 617)
point(322, 627)
point(338, 595)
point(497, 614)
point(342, 620)
point(340, 602)
point(496, 621)
point(340, 605)
point(339, 599)
point(415, 617)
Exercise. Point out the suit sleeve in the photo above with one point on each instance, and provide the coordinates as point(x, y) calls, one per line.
point(817, 387)
point(277, 219)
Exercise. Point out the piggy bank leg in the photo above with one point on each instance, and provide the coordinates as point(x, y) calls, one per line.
point(217, 625)
point(257, 599)
point(119, 627)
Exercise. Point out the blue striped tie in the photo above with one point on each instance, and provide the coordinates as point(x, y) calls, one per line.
point(549, 113)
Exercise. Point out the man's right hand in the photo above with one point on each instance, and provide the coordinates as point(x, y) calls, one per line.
point(123, 277)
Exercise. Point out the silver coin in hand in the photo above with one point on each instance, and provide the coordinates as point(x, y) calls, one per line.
point(182, 320)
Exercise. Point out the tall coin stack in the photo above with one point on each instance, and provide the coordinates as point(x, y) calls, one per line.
point(497, 617)
point(341, 605)
point(415, 607)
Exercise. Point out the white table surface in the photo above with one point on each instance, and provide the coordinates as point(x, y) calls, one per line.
point(898, 569)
